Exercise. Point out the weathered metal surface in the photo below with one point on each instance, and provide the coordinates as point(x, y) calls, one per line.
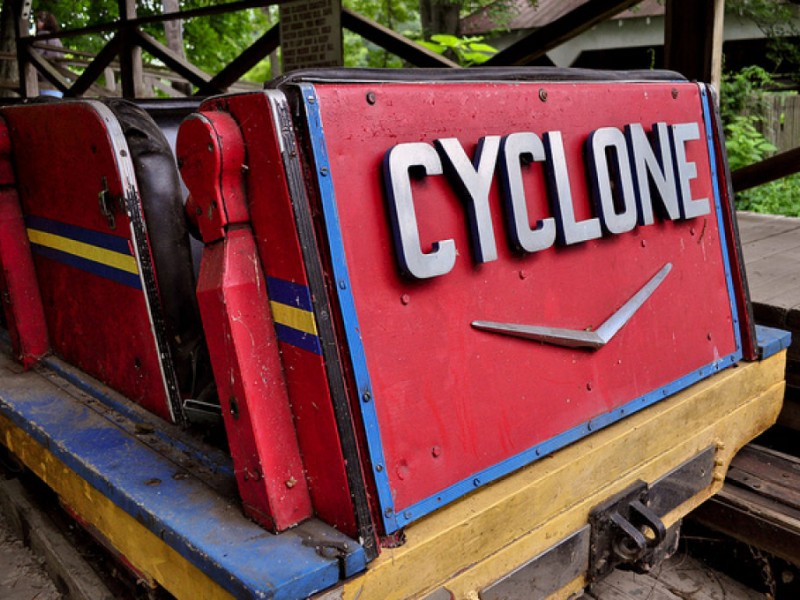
point(545, 574)
point(521, 516)
point(22, 302)
point(508, 213)
point(682, 483)
point(77, 188)
point(150, 502)
point(283, 228)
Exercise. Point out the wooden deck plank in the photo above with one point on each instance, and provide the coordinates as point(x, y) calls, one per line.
point(754, 227)
point(786, 242)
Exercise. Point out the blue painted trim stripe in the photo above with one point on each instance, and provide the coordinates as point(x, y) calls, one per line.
point(90, 266)
point(80, 234)
point(771, 340)
point(293, 314)
point(708, 117)
point(298, 339)
point(185, 513)
point(289, 292)
point(348, 307)
point(101, 254)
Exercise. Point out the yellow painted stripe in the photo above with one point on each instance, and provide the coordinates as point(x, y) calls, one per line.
point(494, 528)
point(148, 553)
point(117, 260)
point(296, 318)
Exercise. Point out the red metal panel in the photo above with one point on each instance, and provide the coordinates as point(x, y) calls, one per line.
point(452, 401)
point(66, 155)
point(244, 353)
point(280, 254)
point(279, 248)
point(22, 303)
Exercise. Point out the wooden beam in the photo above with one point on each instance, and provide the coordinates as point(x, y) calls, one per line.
point(417, 55)
point(775, 167)
point(96, 67)
point(130, 55)
point(177, 63)
point(538, 43)
point(693, 32)
point(46, 69)
point(243, 63)
point(205, 11)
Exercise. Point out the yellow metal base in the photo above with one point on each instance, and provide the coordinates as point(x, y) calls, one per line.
point(481, 538)
point(477, 540)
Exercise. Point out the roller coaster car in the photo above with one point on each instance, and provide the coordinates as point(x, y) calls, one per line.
point(467, 334)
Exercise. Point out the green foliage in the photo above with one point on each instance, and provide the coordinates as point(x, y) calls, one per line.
point(778, 21)
point(210, 43)
point(741, 105)
point(468, 50)
point(744, 142)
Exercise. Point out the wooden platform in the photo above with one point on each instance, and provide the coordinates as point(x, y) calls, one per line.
point(771, 247)
point(760, 501)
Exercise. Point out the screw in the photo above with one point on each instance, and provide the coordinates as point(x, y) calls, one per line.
point(371, 98)
point(366, 396)
point(543, 95)
point(476, 482)
point(324, 171)
point(342, 284)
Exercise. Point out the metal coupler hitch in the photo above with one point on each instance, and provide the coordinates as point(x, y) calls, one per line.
point(626, 533)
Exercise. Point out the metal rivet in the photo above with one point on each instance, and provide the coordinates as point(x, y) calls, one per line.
point(674, 93)
point(342, 284)
point(379, 468)
point(311, 99)
point(708, 337)
point(543, 95)
point(366, 396)
point(589, 386)
point(644, 243)
point(407, 514)
point(324, 171)
point(371, 98)
point(388, 512)
point(436, 451)
point(405, 298)
point(522, 274)
point(476, 482)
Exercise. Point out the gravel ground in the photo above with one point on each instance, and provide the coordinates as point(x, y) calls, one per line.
point(22, 576)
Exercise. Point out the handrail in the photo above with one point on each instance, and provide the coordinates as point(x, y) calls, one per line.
point(776, 167)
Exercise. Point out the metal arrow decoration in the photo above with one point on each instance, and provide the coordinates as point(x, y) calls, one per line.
point(576, 338)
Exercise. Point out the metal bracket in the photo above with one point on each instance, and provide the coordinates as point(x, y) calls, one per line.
point(625, 532)
point(109, 204)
